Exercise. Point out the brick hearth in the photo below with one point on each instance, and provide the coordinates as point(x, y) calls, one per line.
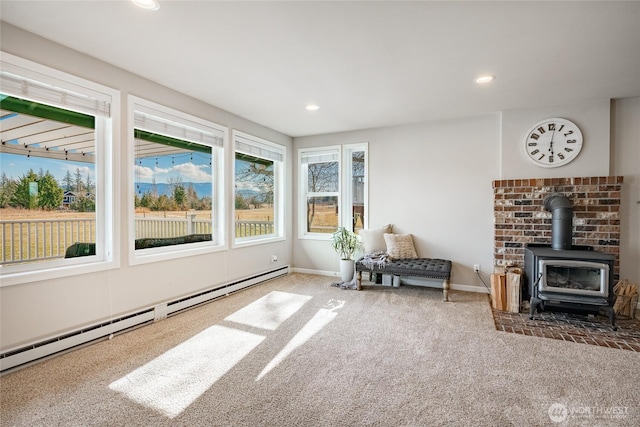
point(581, 329)
point(521, 218)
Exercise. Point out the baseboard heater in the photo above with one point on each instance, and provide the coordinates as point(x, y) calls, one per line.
point(23, 356)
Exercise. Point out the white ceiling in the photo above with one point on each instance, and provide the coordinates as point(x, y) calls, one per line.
point(366, 64)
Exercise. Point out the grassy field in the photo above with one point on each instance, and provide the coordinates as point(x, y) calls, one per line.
point(326, 216)
point(51, 237)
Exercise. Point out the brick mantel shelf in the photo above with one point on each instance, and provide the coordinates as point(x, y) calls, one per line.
point(521, 218)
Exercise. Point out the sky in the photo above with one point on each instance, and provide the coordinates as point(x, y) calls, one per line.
point(162, 168)
point(194, 167)
point(15, 166)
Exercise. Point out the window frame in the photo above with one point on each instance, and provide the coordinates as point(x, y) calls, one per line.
point(303, 192)
point(106, 173)
point(347, 171)
point(218, 242)
point(279, 197)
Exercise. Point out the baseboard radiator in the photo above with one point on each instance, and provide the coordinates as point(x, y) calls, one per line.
point(26, 355)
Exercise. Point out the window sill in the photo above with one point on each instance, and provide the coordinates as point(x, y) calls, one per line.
point(56, 271)
point(166, 253)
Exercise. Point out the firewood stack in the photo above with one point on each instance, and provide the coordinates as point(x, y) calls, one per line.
point(626, 298)
point(506, 289)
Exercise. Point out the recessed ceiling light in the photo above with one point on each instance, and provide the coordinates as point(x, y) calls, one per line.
point(485, 79)
point(312, 107)
point(147, 4)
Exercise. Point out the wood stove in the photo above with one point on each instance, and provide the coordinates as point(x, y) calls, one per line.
point(577, 280)
point(564, 277)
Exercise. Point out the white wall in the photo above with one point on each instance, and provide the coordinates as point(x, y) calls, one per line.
point(432, 180)
point(34, 311)
point(593, 119)
point(625, 161)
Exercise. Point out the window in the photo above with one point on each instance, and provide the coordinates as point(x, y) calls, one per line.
point(177, 207)
point(333, 193)
point(55, 188)
point(259, 190)
point(320, 186)
point(356, 188)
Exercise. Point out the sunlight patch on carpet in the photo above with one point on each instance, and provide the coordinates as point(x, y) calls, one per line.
point(321, 319)
point(174, 380)
point(269, 311)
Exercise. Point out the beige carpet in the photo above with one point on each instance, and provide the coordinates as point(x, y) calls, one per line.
point(380, 357)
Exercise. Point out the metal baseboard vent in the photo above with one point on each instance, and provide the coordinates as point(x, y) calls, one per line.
point(26, 355)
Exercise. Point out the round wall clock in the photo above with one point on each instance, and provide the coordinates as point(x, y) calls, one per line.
point(553, 142)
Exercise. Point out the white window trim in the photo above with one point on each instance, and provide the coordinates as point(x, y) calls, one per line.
point(347, 193)
point(303, 194)
point(279, 196)
point(143, 256)
point(106, 170)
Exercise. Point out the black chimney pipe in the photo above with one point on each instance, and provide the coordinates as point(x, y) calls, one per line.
point(561, 220)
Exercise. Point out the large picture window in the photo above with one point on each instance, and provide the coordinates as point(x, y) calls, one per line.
point(259, 189)
point(177, 182)
point(55, 188)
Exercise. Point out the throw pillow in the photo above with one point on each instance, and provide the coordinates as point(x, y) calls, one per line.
point(400, 246)
point(373, 239)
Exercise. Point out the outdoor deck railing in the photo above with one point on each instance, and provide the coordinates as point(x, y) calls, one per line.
point(171, 227)
point(253, 228)
point(42, 239)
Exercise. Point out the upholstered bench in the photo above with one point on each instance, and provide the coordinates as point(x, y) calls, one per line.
point(429, 268)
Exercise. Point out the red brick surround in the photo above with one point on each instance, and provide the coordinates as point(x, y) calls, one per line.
point(521, 218)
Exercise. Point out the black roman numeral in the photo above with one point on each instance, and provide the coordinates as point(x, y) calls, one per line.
point(541, 130)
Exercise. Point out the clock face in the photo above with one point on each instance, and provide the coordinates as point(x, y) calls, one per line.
point(553, 142)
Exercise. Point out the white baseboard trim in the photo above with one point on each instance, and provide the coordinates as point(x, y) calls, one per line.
point(470, 288)
point(408, 281)
point(316, 272)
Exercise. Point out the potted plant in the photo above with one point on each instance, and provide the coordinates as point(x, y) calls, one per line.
point(345, 242)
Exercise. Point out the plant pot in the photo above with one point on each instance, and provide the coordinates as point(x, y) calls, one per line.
point(346, 269)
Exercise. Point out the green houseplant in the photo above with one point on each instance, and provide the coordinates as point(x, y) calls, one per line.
point(345, 242)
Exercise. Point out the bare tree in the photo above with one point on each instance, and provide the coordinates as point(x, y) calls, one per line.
point(321, 177)
point(258, 174)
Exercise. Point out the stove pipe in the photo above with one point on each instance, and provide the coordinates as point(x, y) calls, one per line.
point(561, 220)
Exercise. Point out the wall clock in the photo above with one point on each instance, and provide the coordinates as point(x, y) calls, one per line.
point(553, 142)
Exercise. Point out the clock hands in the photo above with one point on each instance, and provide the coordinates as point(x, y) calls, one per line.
point(551, 142)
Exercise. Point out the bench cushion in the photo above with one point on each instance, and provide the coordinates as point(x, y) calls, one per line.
point(432, 268)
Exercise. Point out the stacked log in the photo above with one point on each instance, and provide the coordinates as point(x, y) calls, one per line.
point(626, 298)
